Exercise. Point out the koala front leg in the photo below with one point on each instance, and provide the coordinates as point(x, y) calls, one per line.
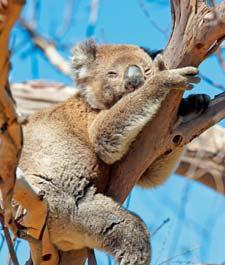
point(109, 227)
point(114, 129)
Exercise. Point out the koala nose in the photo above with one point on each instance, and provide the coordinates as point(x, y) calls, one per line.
point(133, 76)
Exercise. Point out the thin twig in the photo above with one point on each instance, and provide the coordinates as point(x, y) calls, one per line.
point(2, 242)
point(182, 215)
point(91, 257)
point(220, 59)
point(179, 255)
point(94, 9)
point(211, 82)
point(153, 23)
point(9, 261)
point(9, 241)
point(161, 226)
point(67, 20)
point(163, 244)
point(48, 48)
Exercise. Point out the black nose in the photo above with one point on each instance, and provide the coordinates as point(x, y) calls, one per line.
point(133, 76)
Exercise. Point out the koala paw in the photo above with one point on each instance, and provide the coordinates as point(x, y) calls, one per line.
point(181, 78)
point(194, 104)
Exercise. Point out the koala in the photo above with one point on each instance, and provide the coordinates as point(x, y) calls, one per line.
point(69, 148)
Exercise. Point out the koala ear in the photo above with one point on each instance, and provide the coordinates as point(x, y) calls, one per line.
point(83, 55)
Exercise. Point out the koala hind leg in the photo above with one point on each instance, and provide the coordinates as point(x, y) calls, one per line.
point(163, 167)
point(159, 171)
point(115, 230)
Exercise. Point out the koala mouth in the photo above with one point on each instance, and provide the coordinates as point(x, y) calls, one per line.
point(129, 88)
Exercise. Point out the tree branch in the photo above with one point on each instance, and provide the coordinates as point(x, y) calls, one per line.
point(34, 95)
point(10, 131)
point(196, 124)
point(9, 241)
point(48, 48)
point(220, 59)
point(204, 159)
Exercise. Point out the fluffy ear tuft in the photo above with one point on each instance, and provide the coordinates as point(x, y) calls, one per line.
point(83, 55)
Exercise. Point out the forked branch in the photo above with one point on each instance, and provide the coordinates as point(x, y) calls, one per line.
point(197, 32)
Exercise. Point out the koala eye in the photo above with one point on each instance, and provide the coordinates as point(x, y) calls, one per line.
point(147, 71)
point(112, 74)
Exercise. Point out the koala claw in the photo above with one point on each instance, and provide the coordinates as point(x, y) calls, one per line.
point(132, 262)
point(183, 78)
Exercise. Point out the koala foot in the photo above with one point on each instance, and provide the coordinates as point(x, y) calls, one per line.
point(135, 253)
point(134, 260)
point(115, 230)
point(194, 104)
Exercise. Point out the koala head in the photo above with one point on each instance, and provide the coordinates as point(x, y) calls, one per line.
point(105, 73)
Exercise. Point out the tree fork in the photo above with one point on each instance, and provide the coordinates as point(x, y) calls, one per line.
point(197, 31)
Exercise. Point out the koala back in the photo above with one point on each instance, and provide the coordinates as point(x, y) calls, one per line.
point(57, 149)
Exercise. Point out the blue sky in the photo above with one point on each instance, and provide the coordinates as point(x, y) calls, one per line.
point(195, 230)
